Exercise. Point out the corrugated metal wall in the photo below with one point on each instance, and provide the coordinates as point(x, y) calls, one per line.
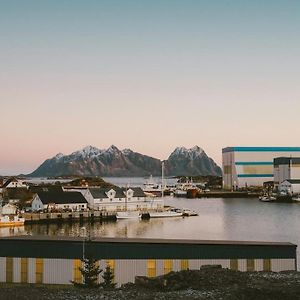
point(63, 271)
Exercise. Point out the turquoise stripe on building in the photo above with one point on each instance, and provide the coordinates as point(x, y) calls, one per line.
point(255, 175)
point(254, 163)
point(261, 149)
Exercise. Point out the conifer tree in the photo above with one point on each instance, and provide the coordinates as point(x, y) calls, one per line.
point(108, 278)
point(89, 272)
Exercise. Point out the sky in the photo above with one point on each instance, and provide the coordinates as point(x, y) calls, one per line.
point(146, 75)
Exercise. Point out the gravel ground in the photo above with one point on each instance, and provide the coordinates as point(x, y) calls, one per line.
point(209, 283)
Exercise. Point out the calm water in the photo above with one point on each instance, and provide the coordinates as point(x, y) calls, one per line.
point(223, 219)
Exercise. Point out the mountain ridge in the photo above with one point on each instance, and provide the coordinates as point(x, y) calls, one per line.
point(92, 161)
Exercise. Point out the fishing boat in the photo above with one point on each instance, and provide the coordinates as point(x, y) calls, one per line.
point(11, 221)
point(182, 188)
point(152, 188)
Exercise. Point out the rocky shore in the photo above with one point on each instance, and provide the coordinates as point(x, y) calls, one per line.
point(207, 283)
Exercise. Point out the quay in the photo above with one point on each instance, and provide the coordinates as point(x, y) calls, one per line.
point(49, 217)
point(222, 194)
point(56, 260)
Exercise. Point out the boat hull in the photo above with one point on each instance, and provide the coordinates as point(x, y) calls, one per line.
point(165, 214)
point(128, 215)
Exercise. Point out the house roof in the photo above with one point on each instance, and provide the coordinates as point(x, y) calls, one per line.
point(61, 198)
point(99, 193)
point(293, 181)
point(9, 180)
point(46, 188)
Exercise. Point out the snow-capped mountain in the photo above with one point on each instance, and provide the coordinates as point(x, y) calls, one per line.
point(91, 161)
point(191, 162)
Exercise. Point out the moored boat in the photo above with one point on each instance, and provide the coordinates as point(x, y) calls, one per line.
point(165, 214)
point(11, 221)
point(128, 215)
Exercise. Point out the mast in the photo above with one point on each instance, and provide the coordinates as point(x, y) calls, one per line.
point(162, 178)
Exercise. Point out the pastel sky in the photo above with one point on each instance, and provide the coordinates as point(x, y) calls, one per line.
point(146, 75)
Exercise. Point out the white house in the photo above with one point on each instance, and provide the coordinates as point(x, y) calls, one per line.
point(290, 186)
point(9, 209)
point(14, 182)
point(64, 200)
point(119, 199)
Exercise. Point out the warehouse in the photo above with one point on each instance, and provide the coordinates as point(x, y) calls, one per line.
point(57, 260)
point(251, 166)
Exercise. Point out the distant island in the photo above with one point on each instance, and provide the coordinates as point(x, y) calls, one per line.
point(91, 161)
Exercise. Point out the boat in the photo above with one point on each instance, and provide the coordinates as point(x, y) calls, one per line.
point(267, 198)
point(183, 188)
point(189, 213)
point(128, 215)
point(296, 198)
point(166, 214)
point(11, 221)
point(151, 187)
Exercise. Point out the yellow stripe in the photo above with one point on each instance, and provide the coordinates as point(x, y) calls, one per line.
point(168, 266)
point(184, 264)
point(267, 265)
point(234, 264)
point(77, 277)
point(151, 268)
point(9, 269)
point(250, 264)
point(39, 267)
point(111, 263)
point(24, 270)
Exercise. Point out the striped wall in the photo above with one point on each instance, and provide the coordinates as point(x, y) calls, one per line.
point(63, 271)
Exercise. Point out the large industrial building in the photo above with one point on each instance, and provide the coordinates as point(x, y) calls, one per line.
point(251, 166)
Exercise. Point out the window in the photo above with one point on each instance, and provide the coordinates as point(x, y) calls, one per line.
point(184, 264)
point(234, 265)
point(267, 265)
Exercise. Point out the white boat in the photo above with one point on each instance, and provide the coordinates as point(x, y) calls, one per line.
point(188, 213)
point(267, 198)
point(128, 215)
point(296, 198)
point(166, 213)
point(151, 187)
point(11, 221)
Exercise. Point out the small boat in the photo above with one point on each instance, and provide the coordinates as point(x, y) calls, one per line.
point(266, 198)
point(166, 213)
point(128, 215)
point(183, 189)
point(296, 198)
point(11, 221)
point(189, 213)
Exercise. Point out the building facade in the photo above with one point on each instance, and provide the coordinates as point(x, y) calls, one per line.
point(251, 166)
point(286, 168)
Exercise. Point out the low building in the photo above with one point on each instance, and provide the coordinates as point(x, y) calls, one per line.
point(286, 168)
point(290, 186)
point(58, 260)
point(119, 199)
point(74, 201)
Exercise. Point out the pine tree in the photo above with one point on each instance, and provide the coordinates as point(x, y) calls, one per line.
point(108, 278)
point(89, 272)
